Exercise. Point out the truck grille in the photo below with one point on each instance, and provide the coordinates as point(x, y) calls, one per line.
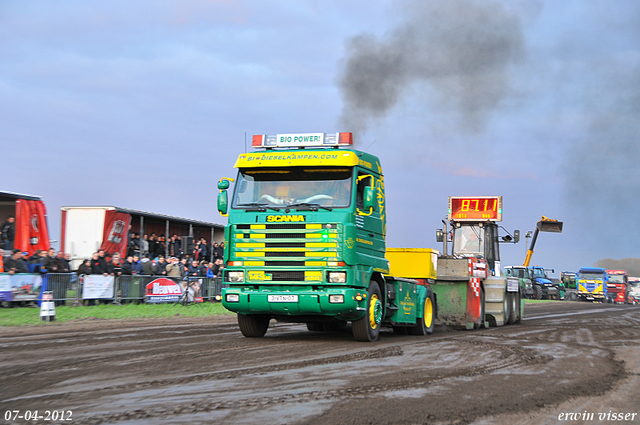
point(267, 248)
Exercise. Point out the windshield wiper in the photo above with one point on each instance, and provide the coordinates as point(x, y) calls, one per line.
point(257, 206)
point(308, 206)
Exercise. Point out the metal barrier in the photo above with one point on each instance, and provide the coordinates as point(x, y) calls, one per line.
point(67, 288)
point(63, 286)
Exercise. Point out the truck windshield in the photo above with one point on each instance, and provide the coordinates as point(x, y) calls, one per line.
point(616, 278)
point(283, 187)
point(591, 276)
point(468, 241)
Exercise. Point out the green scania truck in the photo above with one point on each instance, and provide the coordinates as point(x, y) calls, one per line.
point(306, 241)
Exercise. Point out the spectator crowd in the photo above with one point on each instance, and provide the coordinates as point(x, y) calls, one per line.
point(148, 256)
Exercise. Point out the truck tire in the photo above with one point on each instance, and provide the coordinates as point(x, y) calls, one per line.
point(424, 325)
point(538, 289)
point(367, 328)
point(253, 325)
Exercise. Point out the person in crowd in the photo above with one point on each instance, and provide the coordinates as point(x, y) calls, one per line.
point(136, 266)
point(146, 265)
point(215, 251)
point(9, 233)
point(144, 245)
point(102, 257)
point(160, 268)
point(62, 265)
point(15, 263)
point(41, 263)
point(184, 261)
point(133, 246)
point(50, 262)
point(115, 266)
point(160, 247)
point(173, 268)
point(175, 246)
point(98, 266)
point(153, 245)
point(127, 268)
point(217, 267)
point(202, 251)
point(1, 260)
point(84, 268)
point(194, 269)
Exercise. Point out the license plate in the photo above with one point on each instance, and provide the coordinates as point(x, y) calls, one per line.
point(282, 298)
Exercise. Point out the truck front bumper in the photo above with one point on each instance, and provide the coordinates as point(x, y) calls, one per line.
point(274, 302)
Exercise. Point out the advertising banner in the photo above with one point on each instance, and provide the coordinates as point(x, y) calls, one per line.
point(20, 287)
point(31, 226)
point(163, 290)
point(114, 237)
point(97, 286)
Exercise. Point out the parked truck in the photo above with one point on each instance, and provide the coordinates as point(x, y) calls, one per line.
point(592, 284)
point(306, 239)
point(634, 290)
point(617, 287)
point(30, 227)
point(469, 287)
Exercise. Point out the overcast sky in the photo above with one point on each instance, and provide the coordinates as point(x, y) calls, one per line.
point(146, 104)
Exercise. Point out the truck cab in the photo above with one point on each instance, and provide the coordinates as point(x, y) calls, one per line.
point(307, 239)
point(617, 286)
point(592, 284)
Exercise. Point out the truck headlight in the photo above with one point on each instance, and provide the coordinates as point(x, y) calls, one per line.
point(336, 299)
point(233, 298)
point(236, 277)
point(337, 277)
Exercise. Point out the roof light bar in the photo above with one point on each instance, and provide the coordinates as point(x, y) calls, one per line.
point(301, 140)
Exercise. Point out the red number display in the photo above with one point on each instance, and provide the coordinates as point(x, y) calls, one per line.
point(483, 208)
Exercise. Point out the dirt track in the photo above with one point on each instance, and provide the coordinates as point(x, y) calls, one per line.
point(564, 358)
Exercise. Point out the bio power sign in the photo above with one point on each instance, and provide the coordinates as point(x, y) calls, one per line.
point(303, 139)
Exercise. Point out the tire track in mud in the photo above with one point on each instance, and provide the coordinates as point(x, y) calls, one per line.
point(508, 357)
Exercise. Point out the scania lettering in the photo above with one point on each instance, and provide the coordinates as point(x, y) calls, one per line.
point(307, 241)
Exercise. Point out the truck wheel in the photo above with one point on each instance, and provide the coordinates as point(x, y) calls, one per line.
point(253, 325)
point(315, 327)
point(424, 325)
point(368, 328)
point(538, 292)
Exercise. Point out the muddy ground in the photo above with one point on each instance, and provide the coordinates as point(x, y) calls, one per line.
point(564, 358)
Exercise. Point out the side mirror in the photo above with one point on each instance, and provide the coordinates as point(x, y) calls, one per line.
point(223, 184)
point(516, 236)
point(439, 235)
point(223, 202)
